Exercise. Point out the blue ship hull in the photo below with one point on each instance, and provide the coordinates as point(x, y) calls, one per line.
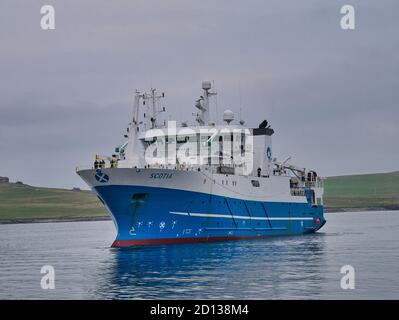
point(150, 215)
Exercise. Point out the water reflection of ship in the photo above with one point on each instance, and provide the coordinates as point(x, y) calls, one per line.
point(257, 269)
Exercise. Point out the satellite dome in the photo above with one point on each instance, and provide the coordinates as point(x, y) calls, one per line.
point(228, 116)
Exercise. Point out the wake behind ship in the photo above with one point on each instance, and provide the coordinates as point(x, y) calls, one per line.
point(206, 182)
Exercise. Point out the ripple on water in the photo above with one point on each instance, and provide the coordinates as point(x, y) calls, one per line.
point(277, 268)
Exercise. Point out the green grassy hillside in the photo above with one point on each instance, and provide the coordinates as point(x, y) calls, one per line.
point(379, 190)
point(27, 202)
point(19, 202)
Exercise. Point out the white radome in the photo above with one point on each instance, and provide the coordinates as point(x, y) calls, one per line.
point(228, 116)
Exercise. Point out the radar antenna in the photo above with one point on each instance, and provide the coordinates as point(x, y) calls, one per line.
point(203, 117)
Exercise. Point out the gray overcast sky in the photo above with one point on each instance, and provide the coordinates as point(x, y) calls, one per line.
point(331, 95)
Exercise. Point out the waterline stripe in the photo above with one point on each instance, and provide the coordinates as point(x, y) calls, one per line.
point(214, 215)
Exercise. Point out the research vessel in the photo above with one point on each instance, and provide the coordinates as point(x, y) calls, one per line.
point(211, 180)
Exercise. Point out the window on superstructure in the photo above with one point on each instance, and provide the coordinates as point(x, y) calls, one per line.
point(182, 139)
point(242, 146)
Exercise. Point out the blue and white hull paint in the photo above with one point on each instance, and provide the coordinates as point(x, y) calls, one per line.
point(159, 206)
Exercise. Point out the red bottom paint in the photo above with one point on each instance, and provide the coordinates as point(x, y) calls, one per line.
point(144, 242)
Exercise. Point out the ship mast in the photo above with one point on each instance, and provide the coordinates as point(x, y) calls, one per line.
point(203, 105)
point(133, 146)
point(153, 98)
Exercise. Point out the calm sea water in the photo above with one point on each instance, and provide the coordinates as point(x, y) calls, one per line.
point(300, 267)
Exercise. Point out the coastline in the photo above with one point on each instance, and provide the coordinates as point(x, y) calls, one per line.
point(52, 220)
point(108, 218)
point(386, 208)
point(22, 203)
